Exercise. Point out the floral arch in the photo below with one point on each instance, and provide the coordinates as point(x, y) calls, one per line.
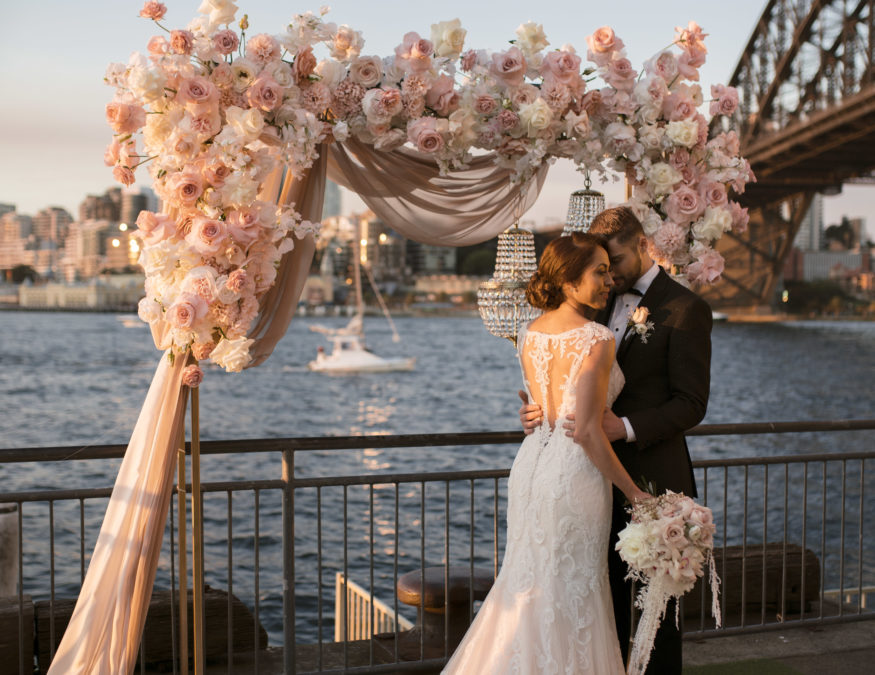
point(240, 133)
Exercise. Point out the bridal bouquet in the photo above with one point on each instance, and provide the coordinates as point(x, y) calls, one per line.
point(667, 544)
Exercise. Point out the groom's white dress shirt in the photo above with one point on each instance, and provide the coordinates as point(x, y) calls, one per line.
point(624, 305)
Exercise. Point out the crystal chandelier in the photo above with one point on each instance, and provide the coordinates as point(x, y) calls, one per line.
point(502, 299)
point(583, 206)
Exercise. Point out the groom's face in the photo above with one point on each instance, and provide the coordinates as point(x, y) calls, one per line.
point(626, 263)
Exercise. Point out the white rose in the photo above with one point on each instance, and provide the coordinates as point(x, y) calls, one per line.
point(247, 124)
point(394, 138)
point(650, 136)
point(347, 44)
point(462, 123)
point(633, 546)
point(714, 223)
point(239, 190)
point(366, 71)
point(651, 223)
point(662, 177)
point(535, 117)
point(159, 127)
point(149, 310)
point(683, 132)
point(146, 83)
point(531, 38)
point(281, 72)
point(448, 38)
point(392, 74)
point(340, 131)
point(331, 72)
point(578, 125)
point(232, 355)
point(220, 12)
point(244, 72)
point(640, 314)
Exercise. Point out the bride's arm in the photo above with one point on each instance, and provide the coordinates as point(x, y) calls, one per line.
point(592, 392)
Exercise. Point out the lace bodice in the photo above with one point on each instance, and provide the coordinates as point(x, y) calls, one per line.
point(551, 364)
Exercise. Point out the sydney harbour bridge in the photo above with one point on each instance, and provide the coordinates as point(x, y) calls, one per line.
point(806, 120)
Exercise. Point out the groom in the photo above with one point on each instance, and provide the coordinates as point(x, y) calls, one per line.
point(667, 371)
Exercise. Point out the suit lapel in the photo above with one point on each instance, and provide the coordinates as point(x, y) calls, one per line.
point(652, 298)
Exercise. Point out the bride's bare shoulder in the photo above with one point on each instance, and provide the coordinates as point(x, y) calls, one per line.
point(550, 324)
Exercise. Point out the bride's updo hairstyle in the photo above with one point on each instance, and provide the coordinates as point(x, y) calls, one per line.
point(563, 261)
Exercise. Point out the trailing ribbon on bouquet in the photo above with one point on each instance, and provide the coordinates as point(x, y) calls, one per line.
point(667, 544)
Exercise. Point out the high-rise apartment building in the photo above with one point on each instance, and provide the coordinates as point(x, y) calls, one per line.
point(810, 234)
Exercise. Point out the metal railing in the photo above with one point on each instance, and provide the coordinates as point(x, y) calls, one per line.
point(278, 544)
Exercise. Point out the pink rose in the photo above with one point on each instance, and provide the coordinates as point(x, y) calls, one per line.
point(442, 97)
point(725, 100)
point(123, 175)
point(707, 269)
point(215, 172)
point(202, 350)
point(602, 44)
point(414, 53)
point(192, 376)
point(181, 41)
point(676, 107)
point(620, 74)
point(157, 46)
point(381, 105)
point(687, 67)
point(207, 235)
point(423, 134)
point(684, 205)
point(125, 118)
point(187, 310)
point(206, 122)
point(691, 39)
point(673, 533)
point(264, 93)
point(185, 187)
point(524, 94)
point(225, 41)
point(664, 65)
point(509, 67)
point(484, 104)
point(507, 120)
point(468, 61)
point(304, 65)
point(713, 193)
point(153, 10)
point(244, 226)
point(680, 158)
point(556, 95)
point(263, 49)
point(561, 66)
point(154, 227)
point(197, 91)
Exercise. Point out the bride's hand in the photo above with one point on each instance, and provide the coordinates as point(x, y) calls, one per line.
point(530, 413)
point(638, 495)
point(568, 425)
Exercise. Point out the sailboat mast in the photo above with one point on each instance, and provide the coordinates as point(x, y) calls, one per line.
point(357, 273)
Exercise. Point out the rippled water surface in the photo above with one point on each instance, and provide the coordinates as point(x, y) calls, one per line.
point(80, 379)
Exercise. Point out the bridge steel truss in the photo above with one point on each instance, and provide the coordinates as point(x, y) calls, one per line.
point(806, 122)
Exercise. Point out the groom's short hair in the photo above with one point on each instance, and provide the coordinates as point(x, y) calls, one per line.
point(618, 223)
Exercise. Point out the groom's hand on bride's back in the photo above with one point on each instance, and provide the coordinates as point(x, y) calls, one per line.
point(530, 413)
point(612, 425)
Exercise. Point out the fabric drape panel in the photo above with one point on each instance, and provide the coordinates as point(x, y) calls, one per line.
point(406, 191)
point(103, 636)
point(278, 305)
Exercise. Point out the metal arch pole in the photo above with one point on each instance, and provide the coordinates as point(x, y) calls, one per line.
point(183, 562)
point(197, 533)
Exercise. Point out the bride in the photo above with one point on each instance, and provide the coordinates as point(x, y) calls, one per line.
point(549, 610)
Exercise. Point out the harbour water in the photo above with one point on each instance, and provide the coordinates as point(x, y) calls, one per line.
point(80, 379)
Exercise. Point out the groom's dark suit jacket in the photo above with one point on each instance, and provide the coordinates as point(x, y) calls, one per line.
point(667, 384)
point(666, 393)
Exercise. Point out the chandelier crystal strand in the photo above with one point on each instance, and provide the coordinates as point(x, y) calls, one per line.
point(583, 206)
point(502, 299)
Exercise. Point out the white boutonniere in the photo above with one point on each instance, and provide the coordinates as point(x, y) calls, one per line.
point(638, 322)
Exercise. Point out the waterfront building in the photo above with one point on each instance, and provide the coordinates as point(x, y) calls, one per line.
point(332, 203)
point(809, 237)
point(132, 202)
point(85, 249)
point(427, 259)
point(102, 207)
point(17, 241)
point(107, 292)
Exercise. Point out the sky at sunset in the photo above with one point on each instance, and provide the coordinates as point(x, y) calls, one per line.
point(55, 52)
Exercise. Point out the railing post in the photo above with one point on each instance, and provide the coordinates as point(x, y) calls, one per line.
point(288, 562)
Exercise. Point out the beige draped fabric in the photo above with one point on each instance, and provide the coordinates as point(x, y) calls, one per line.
point(405, 191)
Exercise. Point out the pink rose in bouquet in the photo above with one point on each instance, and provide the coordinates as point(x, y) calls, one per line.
point(424, 135)
point(225, 41)
point(561, 66)
point(192, 376)
point(414, 53)
point(263, 49)
point(125, 118)
point(509, 67)
point(153, 10)
point(181, 41)
point(602, 45)
point(207, 235)
point(442, 97)
point(186, 311)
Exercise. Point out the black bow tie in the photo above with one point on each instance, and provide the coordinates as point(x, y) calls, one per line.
point(635, 291)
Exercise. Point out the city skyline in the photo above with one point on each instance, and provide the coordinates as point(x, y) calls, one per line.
point(58, 157)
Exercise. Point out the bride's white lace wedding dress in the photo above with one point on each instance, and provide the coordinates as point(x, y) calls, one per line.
point(549, 610)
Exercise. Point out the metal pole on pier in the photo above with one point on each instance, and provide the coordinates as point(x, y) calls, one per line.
point(197, 532)
point(288, 561)
point(183, 562)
